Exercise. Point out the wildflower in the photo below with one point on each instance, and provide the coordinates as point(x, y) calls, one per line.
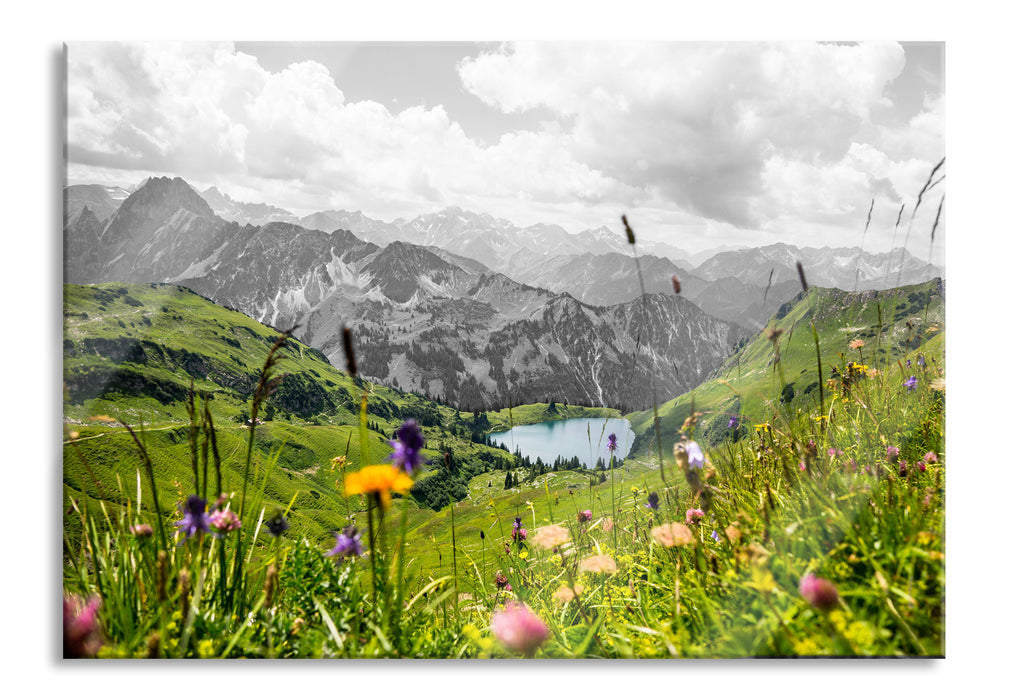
point(653, 501)
point(142, 530)
point(500, 580)
point(892, 453)
point(872, 373)
point(921, 466)
point(607, 525)
point(406, 447)
point(523, 554)
point(694, 454)
point(715, 537)
point(519, 629)
point(831, 452)
point(856, 344)
point(277, 524)
point(377, 480)
point(811, 449)
point(911, 383)
point(611, 444)
point(482, 536)
point(225, 521)
point(802, 466)
point(930, 457)
point(908, 363)
point(921, 360)
point(902, 467)
point(81, 629)
point(584, 516)
point(599, 564)
point(672, 535)
point(694, 516)
point(733, 422)
point(339, 461)
point(566, 595)
point(508, 550)
point(348, 543)
point(194, 519)
point(519, 535)
point(550, 536)
point(818, 592)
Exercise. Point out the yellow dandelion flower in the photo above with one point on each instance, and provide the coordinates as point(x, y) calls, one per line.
point(599, 564)
point(672, 535)
point(523, 554)
point(378, 480)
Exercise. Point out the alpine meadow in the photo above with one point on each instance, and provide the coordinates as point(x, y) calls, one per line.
point(340, 382)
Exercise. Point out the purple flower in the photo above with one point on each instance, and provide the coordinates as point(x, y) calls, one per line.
point(348, 543)
point(694, 516)
point(584, 516)
point(911, 383)
point(519, 534)
point(908, 363)
point(931, 457)
point(500, 580)
point(612, 444)
point(653, 501)
point(733, 422)
point(277, 524)
point(818, 592)
point(892, 453)
point(921, 360)
point(194, 518)
point(694, 455)
point(406, 447)
point(715, 537)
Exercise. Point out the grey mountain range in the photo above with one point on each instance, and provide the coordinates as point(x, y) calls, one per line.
point(511, 315)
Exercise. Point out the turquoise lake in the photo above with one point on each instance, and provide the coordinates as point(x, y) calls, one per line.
point(584, 438)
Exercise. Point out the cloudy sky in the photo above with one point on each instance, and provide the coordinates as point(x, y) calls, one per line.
point(700, 144)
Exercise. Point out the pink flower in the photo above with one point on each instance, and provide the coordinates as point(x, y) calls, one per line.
point(224, 521)
point(81, 630)
point(930, 458)
point(519, 629)
point(672, 535)
point(694, 515)
point(142, 530)
point(584, 516)
point(818, 592)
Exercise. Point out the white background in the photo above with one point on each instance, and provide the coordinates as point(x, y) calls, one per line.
point(31, 169)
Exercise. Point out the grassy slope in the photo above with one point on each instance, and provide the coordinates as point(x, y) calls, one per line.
point(748, 380)
point(182, 335)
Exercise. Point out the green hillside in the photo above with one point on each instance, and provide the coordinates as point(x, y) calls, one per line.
point(131, 353)
point(892, 324)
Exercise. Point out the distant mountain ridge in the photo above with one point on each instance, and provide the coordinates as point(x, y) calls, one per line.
point(423, 319)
